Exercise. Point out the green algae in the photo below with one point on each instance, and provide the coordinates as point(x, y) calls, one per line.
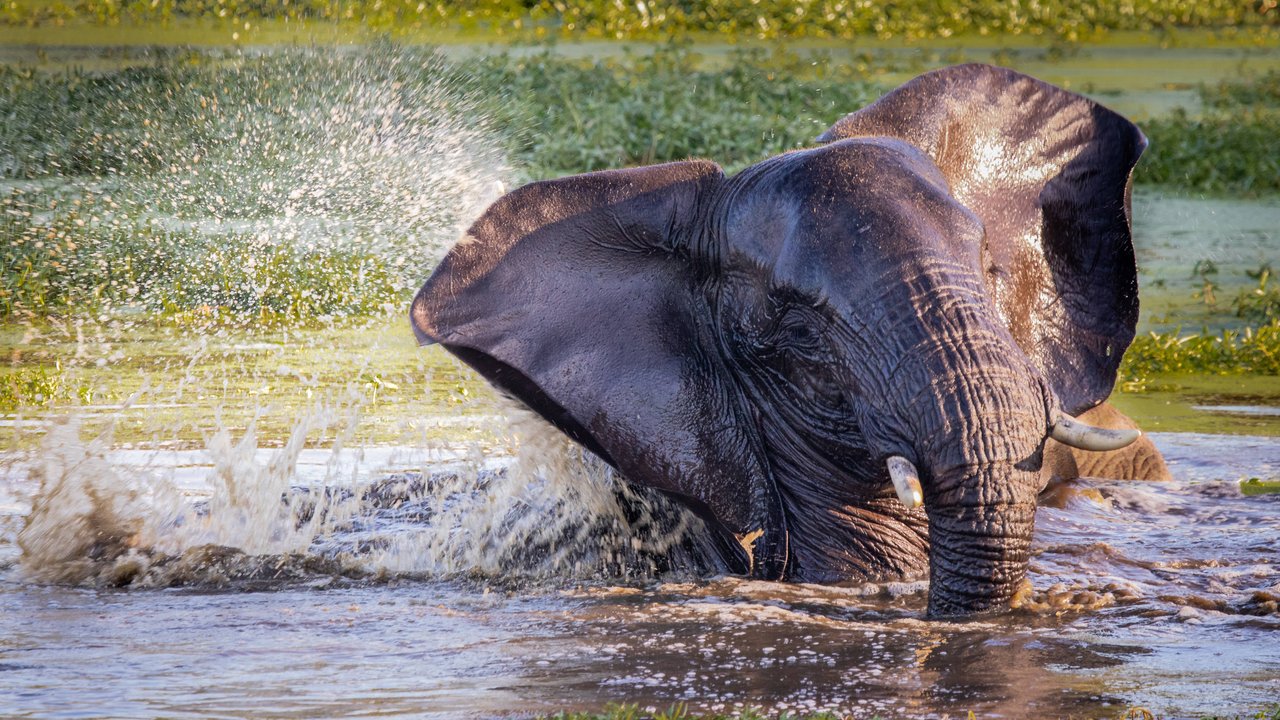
point(1200, 403)
point(1258, 486)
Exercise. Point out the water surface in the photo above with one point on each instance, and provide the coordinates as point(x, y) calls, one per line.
point(1162, 595)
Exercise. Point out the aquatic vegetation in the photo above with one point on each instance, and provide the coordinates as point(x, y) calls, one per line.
point(39, 386)
point(1258, 486)
point(1229, 149)
point(1204, 273)
point(1233, 153)
point(576, 116)
point(1261, 91)
point(1259, 303)
point(581, 115)
point(569, 115)
point(758, 18)
point(1250, 350)
point(911, 19)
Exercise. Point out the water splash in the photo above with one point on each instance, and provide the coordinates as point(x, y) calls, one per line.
point(556, 512)
point(553, 513)
point(85, 519)
point(296, 183)
point(309, 184)
point(94, 520)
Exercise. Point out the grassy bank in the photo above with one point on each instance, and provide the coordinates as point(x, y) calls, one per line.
point(906, 19)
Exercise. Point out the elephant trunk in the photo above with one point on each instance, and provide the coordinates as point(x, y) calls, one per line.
point(976, 432)
point(979, 541)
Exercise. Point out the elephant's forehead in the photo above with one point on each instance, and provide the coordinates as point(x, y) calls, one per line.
point(810, 215)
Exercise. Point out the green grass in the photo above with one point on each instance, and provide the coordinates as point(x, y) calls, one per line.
point(1252, 350)
point(1262, 91)
point(1232, 148)
point(582, 115)
point(1219, 154)
point(654, 18)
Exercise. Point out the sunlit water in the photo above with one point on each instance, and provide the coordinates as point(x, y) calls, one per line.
point(475, 595)
point(310, 572)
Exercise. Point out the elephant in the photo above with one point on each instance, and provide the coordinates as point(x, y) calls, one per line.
point(853, 358)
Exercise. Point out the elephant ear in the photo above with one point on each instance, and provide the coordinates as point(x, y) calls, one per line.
point(577, 296)
point(1048, 172)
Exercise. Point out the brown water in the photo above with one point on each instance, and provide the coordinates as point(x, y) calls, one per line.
point(511, 585)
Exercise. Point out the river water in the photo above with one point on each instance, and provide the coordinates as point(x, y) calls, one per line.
point(145, 583)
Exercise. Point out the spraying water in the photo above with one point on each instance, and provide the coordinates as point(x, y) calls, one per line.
point(551, 514)
point(297, 184)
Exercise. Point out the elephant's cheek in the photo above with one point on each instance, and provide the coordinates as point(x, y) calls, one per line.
point(977, 557)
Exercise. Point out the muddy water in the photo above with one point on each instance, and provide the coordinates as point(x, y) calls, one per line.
point(511, 585)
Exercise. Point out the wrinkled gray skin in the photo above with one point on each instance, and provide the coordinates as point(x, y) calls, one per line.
point(950, 269)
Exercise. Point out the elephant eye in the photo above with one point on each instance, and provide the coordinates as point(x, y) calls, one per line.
point(798, 332)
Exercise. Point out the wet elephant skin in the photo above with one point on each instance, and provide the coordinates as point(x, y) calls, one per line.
point(943, 275)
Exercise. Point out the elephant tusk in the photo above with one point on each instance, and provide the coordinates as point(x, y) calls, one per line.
point(1069, 431)
point(905, 480)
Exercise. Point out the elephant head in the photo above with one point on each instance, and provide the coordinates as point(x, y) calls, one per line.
point(849, 356)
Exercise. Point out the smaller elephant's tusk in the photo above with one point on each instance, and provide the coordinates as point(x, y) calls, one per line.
point(1069, 431)
point(905, 480)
